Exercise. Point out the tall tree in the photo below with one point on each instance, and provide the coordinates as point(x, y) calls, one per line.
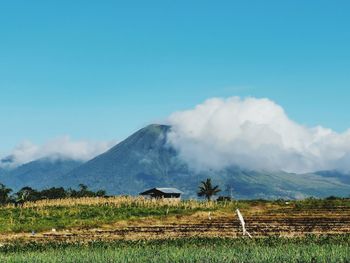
point(207, 190)
point(27, 194)
point(4, 194)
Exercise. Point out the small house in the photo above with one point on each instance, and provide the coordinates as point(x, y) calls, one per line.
point(162, 193)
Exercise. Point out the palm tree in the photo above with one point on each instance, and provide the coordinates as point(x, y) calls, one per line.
point(206, 189)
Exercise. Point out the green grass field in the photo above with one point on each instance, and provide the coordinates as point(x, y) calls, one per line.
point(308, 249)
point(44, 217)
point(90, 212)
point(183, 220)
point(41, 219)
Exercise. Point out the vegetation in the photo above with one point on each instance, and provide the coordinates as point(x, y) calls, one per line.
point(207, 190)
point(28, 194)
point(329, 202)
point(141, 219)
point(272, 249)
point(4, 194)
point(41, 219)
point(89, 212)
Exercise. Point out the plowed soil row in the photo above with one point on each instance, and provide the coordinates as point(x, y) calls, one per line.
point(221, 224)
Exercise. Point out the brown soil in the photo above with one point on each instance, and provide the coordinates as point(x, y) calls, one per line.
point(286, 222)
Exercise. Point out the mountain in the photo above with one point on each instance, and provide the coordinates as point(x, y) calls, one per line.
point(141, 161)
point(342, 177)
point(38, 174)
point(145, 160)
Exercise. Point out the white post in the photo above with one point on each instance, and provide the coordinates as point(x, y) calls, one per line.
point(241, 219)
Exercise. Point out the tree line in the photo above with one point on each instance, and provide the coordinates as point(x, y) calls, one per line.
point(27, 194)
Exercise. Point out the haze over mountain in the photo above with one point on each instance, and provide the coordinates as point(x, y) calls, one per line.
point(146, 159)
point(62, 147)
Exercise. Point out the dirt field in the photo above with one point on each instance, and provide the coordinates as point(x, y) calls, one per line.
point(259, 222)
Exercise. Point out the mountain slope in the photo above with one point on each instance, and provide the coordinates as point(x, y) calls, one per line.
point(342, 177)
point(141, 161)
point(144, 160)
point(38, 174)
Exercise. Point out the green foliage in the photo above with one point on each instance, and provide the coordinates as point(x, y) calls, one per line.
point(273, 249)
point(207, 190)
point(18, 219)
point(328, 203)
point(84, 192)
point(28, 194)
point(4, 194)
point(54, 193)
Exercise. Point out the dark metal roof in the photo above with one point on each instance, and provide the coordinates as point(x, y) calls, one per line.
point(164, 190)
point(169, 190)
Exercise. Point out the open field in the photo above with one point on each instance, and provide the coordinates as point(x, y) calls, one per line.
point(129, 218)
point(125, 229)
point(272, 249)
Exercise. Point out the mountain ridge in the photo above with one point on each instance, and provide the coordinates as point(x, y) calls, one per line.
point(146, 160)
point(38, 173)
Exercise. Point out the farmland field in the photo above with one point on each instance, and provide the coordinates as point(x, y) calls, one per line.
point(125, 229)
point(272, 249)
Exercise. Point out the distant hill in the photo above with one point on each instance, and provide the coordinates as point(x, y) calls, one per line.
point(342, 177)
point(39, 174)
point(145, 160)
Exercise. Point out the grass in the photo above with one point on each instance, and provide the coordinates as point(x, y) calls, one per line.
point(313, 203)
point(272, 249)
point(93, 212)
point(90, 212)
point(41, 219)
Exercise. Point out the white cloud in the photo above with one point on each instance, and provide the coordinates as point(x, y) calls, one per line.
point(255, 134)
point(62, 147)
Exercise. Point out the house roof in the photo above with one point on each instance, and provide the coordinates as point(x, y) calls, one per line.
point(165, 190)
point(169, 190)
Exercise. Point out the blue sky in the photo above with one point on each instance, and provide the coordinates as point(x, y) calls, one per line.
point(99, 70)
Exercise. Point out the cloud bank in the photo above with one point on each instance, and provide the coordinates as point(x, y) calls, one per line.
point(254, 134)
point(59, 148)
